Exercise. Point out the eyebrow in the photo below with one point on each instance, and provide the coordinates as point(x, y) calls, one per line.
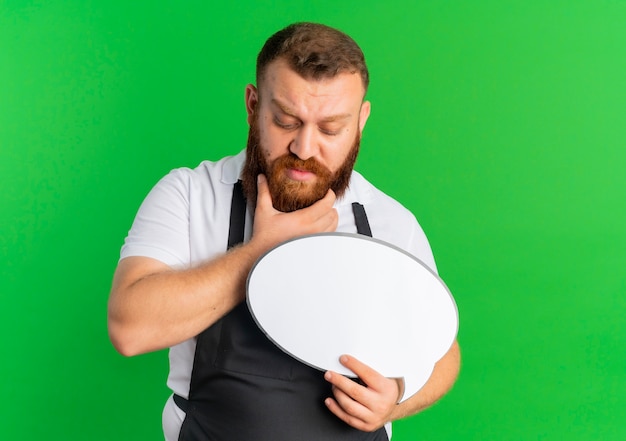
point(332, 118)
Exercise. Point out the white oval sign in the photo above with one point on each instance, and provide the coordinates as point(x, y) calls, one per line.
point(320, 296)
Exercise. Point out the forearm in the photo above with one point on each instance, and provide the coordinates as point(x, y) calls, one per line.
point(163, 307)
point(153, 307)
point(441, 381)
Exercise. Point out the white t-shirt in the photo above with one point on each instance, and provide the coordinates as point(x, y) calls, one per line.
point(184, 221)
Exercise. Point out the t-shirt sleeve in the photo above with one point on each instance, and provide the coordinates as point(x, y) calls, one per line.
point(419, 246)
point(161, 227)
point(394, 223)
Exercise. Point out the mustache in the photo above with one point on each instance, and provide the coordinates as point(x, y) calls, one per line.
point(292, 161)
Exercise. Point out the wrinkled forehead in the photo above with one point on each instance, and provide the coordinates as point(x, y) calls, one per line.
point(280, 80)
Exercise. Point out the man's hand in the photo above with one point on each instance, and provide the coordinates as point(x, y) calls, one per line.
point(272, 227)
point(365, 407)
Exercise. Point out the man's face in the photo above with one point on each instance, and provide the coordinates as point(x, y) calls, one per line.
point(304, 135)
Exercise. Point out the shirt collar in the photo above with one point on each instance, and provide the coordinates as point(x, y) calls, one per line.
point(233, 167)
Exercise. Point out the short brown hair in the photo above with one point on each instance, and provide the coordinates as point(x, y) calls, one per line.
point(314, 51)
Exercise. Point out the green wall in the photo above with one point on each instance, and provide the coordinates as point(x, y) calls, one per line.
point(500, 124)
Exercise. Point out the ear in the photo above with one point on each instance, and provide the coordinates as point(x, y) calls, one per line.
point(364, 114)
point(252, 99)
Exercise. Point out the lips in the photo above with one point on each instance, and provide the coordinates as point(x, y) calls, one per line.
point(299, 174)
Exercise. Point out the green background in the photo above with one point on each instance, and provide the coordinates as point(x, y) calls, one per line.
point(500, 124)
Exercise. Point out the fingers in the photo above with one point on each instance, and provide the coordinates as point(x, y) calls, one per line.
point(272, 226)
point(347, 402)
point(365, 407)
point(328, 200)
point(323, 214)
point(368, 375)
point(372, 378)
point(264, 198)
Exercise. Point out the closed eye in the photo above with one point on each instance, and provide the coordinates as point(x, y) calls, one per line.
point(284, 125)
point(332, 130)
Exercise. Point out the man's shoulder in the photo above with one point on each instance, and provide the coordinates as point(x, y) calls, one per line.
point(392, 222)
point(368, 194)
point(225, 171)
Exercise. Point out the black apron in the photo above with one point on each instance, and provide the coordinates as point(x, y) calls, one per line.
point(244, 388)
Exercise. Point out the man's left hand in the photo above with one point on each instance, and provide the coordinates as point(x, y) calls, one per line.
point(365, 407)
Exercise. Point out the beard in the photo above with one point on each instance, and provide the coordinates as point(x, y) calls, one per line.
point(289, 195)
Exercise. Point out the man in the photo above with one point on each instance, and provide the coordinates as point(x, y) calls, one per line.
point(180, 283)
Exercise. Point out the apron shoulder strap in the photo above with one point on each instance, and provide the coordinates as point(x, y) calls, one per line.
point(237, 216)
point(360, 218)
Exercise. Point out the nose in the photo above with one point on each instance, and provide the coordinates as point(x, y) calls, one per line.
point(304, 144)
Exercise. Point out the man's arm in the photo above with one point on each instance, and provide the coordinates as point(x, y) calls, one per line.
point(371, 406)
point(440, 382)
point(153, 307)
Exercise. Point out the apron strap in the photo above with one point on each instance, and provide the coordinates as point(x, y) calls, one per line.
point(181, 402)
point(360, 218)
point(237, 216)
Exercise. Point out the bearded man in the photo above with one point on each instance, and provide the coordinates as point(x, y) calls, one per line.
point(180, 282)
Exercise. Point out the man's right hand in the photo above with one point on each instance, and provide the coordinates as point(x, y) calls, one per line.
point(272, 227)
